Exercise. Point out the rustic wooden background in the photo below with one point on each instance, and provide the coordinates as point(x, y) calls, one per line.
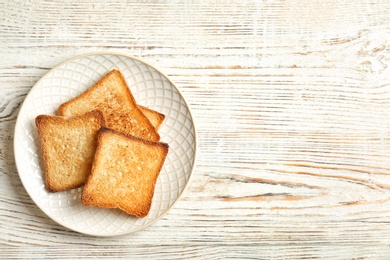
point(291, 101)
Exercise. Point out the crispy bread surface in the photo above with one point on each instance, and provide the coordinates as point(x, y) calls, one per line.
point(112, 96)
point(68, 147)
point(124, 173)
point(156, 118)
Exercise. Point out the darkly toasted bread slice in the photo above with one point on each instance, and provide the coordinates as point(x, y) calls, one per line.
point(124, 173)
point(68, 148)
point(156, 118)
point(112, 96)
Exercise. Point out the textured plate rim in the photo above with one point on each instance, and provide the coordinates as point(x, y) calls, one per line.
point(16, 148)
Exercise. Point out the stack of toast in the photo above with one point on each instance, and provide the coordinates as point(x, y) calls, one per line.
point(104, 140)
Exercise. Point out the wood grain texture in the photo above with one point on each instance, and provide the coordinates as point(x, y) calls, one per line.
point(291, 101)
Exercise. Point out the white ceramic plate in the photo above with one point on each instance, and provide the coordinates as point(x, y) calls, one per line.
point(150, 88)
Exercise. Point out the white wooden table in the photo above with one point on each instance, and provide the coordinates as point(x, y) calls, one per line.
point(291, 101)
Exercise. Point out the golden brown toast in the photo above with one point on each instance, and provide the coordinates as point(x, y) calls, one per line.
point(112, 96)
point(124, 173)
point(156, 118)
point(68, 148)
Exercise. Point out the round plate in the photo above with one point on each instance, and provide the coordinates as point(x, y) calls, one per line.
point(150, 88)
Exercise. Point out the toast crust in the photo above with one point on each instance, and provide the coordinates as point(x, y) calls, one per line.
point(156, 118)
point(113, 97)
point(124, 173)
point(68, 146)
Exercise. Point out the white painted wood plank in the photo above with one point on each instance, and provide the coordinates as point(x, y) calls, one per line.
point(291, 102)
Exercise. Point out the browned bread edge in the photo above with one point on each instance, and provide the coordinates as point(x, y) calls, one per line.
point(153, 131)
point(155, 117)
point(140, 212)
point(40, 128)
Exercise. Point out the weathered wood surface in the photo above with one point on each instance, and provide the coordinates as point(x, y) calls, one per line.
point(292, 107)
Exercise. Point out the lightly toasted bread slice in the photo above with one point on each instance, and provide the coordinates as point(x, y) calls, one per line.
point(156, 118)
point(124, 173)
point(68, 147)
point(112, 96)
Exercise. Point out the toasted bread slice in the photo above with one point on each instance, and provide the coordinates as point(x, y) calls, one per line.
point(112, 96)
point(156, 118)
point(68, 148)
point(124, 173)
